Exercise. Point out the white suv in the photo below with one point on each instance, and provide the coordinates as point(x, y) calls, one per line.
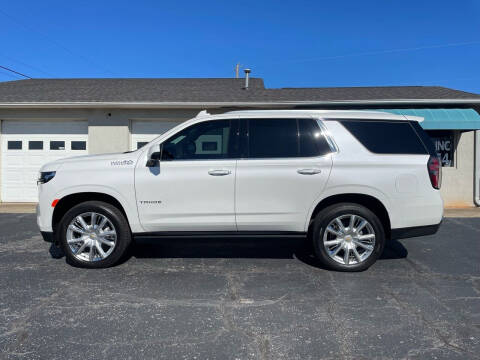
point(350, 180)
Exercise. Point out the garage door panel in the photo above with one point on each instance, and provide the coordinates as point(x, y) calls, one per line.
point(20, 168)
point(34, 159)
point(144, 131)
point(44, 127)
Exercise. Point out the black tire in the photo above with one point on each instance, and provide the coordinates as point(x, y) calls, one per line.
point(331, 212)
point(123, 240)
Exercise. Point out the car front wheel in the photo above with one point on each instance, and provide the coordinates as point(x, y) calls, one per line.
point(94, 234)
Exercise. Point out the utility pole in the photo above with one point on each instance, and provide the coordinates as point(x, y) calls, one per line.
point(237, 70)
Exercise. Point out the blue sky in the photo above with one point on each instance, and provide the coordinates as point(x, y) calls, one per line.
point(288, 43)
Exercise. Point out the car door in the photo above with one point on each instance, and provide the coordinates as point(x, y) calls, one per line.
point(284, 167)
point(193, 187)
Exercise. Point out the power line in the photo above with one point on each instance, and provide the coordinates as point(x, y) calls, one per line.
point(26, 65)
point(380, 52)
point(8, 75)
point(15, 72)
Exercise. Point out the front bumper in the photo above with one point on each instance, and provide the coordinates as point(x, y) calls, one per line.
point(45, 211)
point(47, 236)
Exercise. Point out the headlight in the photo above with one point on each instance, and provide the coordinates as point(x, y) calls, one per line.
point(45, 176)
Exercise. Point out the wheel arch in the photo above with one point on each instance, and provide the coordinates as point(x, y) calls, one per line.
point(370, 202)
point(68, 201)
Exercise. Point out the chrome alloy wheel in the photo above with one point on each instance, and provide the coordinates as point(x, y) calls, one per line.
point(91, 236)
point(349, 239)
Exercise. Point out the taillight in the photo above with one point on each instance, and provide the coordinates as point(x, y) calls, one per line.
point(435, 171)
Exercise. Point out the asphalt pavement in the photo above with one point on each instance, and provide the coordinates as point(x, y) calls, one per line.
point(240, 299)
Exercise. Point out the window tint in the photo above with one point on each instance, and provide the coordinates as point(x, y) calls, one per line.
point(202, 141)
point(141, 144)
point(426, 139)
point(312, 141)
point(79, 145)
point(209, 146)
point(386, 137)
point(57, 145)
point(14, 145)
point(35, 145)
point(272, 138)
point(283, 138)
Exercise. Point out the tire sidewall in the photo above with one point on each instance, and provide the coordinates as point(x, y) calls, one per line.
point(118, 220)
point(322, 220)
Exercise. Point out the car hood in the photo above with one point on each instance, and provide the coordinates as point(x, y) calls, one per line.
point(127, 158)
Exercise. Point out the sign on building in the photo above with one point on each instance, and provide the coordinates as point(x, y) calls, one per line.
point(444, 145)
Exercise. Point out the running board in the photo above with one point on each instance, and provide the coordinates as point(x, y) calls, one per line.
point(210, 234)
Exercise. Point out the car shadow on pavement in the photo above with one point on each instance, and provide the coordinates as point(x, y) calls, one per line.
point(247, 248)
point(231, 248)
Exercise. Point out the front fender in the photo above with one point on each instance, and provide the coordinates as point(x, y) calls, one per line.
point(128, 206)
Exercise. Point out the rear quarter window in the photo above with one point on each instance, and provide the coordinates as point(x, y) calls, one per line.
point(386, 137)
point(427, 141)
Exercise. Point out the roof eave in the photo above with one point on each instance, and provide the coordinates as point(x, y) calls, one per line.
point(194, 105)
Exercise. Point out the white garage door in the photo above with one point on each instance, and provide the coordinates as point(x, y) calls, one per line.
point(145, 131)
point(27, 145)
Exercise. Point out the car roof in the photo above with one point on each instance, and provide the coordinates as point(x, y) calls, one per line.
point(324, 114)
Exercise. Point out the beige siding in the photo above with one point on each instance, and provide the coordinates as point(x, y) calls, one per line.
point(457, 182)
point(107, 131)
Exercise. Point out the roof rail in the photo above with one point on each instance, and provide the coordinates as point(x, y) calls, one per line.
point(202, 113)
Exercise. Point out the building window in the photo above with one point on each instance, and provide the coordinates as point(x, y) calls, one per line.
point(444, 142)
point(35, 145)
point(57, 145)
point(14, 145)
point(79, 145)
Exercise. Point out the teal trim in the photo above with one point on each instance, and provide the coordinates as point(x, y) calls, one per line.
point(443, 119)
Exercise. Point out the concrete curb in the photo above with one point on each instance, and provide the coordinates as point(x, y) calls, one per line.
point(17, 208)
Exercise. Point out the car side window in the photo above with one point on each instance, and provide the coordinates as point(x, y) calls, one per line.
point(285, 138)
point(216, 139)
point(386, 137)
point(272, 138)
point(312, 140)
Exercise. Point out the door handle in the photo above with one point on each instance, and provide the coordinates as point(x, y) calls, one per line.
point(309, 171)
point(219, 172)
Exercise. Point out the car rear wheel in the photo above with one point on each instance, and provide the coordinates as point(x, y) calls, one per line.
point(348, 237)
point(94, 234)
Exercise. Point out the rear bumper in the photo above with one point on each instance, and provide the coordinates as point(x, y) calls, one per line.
point(409, 232)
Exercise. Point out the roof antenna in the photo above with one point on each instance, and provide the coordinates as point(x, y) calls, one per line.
point(202, 113)
point(247, 77)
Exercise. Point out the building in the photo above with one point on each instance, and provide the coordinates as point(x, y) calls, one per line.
point(45, 119)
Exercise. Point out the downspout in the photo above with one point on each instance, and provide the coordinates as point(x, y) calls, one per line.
point(476, 175)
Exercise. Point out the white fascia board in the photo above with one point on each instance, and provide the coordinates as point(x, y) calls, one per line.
point(150, 105)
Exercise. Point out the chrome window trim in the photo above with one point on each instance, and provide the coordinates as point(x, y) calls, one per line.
point(328, 137)
point(331, 142)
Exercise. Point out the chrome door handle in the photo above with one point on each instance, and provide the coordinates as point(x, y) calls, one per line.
point(219, 172)
point(309, 171)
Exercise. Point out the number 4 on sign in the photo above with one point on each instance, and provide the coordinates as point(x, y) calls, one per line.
point(445, 160)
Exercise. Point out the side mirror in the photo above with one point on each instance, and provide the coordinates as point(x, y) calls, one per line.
point(154, 158)
point(153, 163)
